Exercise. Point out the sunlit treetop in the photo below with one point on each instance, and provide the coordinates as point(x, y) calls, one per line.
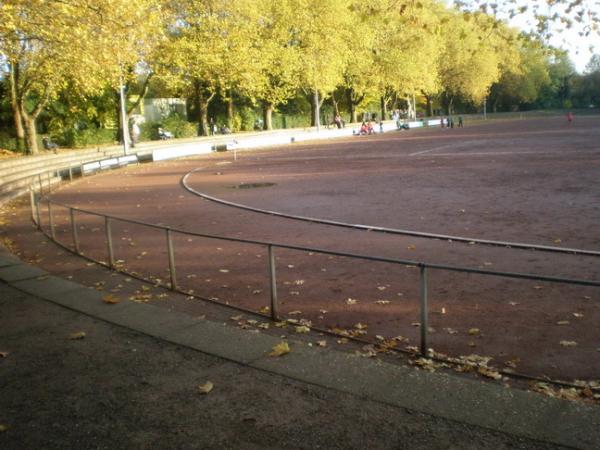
point(547, 16)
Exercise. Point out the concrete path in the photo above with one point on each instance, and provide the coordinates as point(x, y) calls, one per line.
point(132, 382)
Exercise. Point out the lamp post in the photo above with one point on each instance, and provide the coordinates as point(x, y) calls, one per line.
point(317, 110)
point(124, 118)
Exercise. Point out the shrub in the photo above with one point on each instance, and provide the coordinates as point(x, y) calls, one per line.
point(180, 127)
point(86, 137)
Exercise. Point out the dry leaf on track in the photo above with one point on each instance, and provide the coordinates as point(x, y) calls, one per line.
point(206, 387)
point(3, 354)
point(110, 299)
point(280, 349)
point(568, 343)
point(77, 335)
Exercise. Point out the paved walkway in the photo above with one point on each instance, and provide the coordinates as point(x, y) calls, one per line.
point(132, 382)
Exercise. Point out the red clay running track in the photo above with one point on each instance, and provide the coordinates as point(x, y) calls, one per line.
point(533, 181)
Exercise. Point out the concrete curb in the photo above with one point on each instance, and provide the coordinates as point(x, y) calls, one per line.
point(487, 405)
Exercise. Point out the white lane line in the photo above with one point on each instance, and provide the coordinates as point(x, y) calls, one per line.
point(442, 147)
point(497, 153)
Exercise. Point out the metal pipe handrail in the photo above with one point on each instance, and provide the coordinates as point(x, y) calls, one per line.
point(407, 262)
point(271, 247)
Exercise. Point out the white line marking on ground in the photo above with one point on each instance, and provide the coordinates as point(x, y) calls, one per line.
point(442, 147)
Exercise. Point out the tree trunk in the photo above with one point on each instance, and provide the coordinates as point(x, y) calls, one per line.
point(230, 110)
point(383, 109)
point(353, 101)
point(203, 98)
point(202, 116)
point(429, 105)
point(18, 120)
point(267, 116)
point(317, 119)
point(30, 133)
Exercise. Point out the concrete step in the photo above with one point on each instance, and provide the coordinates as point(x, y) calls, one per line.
point(7, 195)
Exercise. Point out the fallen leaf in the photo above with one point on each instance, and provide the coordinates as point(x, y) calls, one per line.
point(451, 330)
point(568, 343)
point(236, 318)
point(513, 303)
point(538, 287)
point(474, 331)
point(280, 349)
point(382, 302)
point(77, 335)
point(322, 343)
point(351, 301)
point(381, 288)
point(302, 329)
point(265, 309)
point(361, 326)
point(206, 387)
point(557, 241)
point(293, 313)
point(3, 428)
point(224, 270)
point(490, 373)
point(578, 315)
point(563, 322)
point(342, 341)
point(299, 282)
point(3, 354)
point(256, 291)
point(110, 299)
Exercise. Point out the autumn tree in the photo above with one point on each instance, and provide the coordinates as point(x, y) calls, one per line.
point(211, 49)
point(322, 32)
point(48, 46)
point(523, 82)
point(476, 50)
point(277, 73)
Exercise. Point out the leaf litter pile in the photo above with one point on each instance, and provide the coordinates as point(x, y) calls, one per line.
point(582, 391)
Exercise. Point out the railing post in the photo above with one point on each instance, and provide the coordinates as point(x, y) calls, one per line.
point(32, 203)
point(70, 172)
point(40, 183)
point(74, 231)
point(273, 283)
point(109, 243)
point(48, 176)
point(37, 210)
point(171, 253)
point(51, 221)
point(424, 315)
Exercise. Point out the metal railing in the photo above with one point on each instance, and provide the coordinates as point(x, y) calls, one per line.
point(425, 268)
